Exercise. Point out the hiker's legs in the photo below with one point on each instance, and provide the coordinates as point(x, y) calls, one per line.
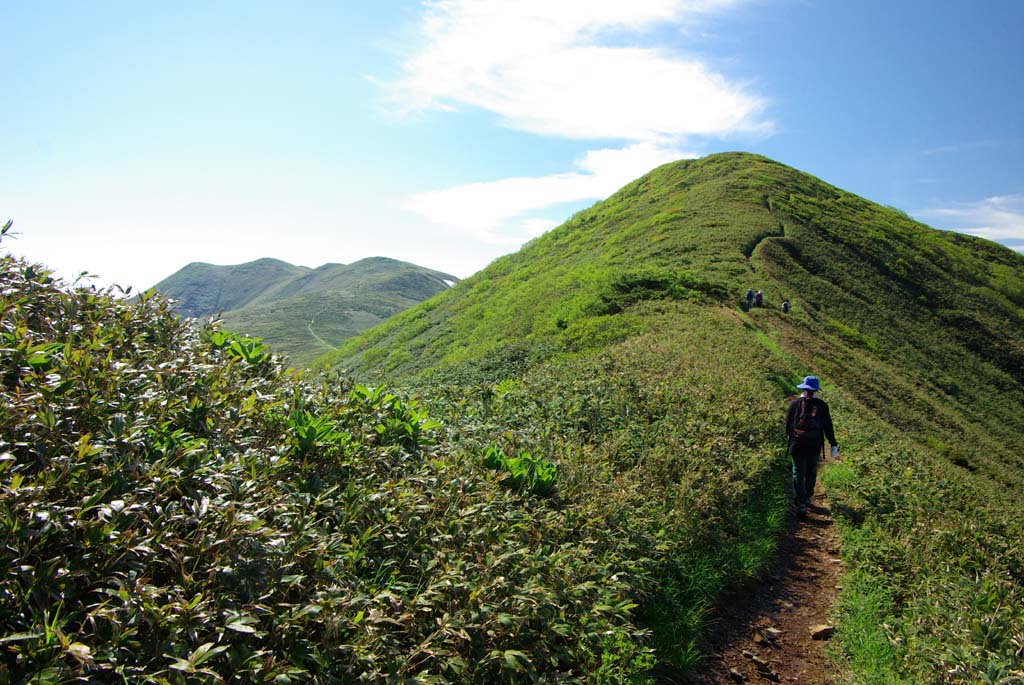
point(810, 476)
point(798, 480)
point(805, 472)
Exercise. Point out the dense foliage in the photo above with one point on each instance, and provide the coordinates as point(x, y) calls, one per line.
point(176, 507)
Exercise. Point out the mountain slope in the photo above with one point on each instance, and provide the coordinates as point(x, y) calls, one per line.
point(302, 312)
point(918, 333)
point(890, 305)
point(591, 463)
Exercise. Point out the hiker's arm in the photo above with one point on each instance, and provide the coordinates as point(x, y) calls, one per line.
point(829, 431)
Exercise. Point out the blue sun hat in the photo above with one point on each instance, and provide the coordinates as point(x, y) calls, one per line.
point(810, 383)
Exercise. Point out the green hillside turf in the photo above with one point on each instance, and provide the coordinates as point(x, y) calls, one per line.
point(298, 311)
point(919, 334)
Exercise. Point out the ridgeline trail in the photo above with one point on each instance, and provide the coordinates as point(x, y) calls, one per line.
point(776, 630)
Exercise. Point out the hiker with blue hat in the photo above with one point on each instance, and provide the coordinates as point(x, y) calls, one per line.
point(808, 423)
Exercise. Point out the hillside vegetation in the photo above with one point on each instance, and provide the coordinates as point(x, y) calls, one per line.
point(578, 450)
point(301, 312)
point(919, 334)
point(176, 507)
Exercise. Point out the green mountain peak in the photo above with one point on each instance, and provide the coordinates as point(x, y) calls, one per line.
point(890, 308)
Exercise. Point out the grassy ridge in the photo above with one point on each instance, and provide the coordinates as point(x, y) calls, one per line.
point(919, 333)
point(677, 233)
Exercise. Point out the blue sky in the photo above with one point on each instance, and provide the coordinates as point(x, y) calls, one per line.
point(139, 137)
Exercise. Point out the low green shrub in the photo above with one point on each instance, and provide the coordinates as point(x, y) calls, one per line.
point(525, 471)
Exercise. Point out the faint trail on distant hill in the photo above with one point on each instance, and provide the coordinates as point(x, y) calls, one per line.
point(763, 634)
point(309, 327)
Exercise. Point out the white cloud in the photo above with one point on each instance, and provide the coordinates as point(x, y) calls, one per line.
point(575, 69)
point(485, 209)
point(999, 218)
point(557, 68)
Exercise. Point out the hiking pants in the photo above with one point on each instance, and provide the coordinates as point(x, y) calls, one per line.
point(805, 472)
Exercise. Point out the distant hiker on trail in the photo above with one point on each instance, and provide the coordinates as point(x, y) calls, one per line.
point(785, 306)
point(808, 423)
point(750, 298)
point(758, 299)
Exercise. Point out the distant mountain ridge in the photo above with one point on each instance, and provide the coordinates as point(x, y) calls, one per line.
point(302, 311)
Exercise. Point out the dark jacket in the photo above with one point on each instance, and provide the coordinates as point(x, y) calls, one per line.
point(826, 421)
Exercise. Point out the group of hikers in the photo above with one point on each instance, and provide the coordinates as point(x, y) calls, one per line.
point(756, 299)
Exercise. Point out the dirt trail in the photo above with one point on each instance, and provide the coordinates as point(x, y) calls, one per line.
point(309, 327)
point(764, 633)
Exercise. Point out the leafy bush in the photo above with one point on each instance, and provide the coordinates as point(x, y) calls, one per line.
point(525, 472)
point(628, 288)
point(176, 509)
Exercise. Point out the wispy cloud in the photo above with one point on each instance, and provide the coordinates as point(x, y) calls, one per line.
point(574, 69)
point(484, 209)
point(999, 218)
point(958, 148)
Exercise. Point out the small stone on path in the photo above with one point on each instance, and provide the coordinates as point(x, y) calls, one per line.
point(736, 675)
point(822, 631)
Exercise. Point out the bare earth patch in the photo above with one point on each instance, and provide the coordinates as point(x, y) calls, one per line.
point(776, 631)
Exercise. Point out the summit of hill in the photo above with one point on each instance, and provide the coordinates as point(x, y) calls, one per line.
point(895, 311)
